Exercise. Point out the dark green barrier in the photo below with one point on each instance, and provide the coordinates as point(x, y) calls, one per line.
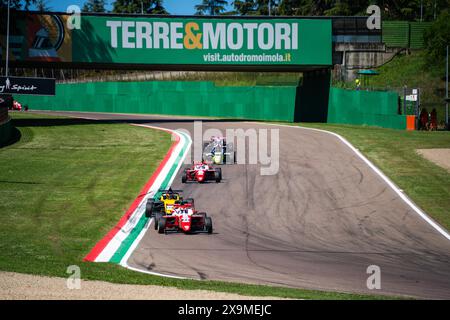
point(205, 99)
point(365, 108)
point(404, 34)
point(417, 30)
point(5, 132)
point(177, 98)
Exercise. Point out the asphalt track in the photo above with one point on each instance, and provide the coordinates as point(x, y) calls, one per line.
point(319, 223)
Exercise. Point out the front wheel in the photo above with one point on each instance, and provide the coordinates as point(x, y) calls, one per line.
point(184, 177)
point(149, 208)
point(208, 225)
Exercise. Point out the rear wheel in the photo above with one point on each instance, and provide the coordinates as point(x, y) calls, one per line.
point(157, 217)
point(208, 225)
point(218, 175)
point(161, 225)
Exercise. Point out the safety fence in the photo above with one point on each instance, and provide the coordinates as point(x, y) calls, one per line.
point(365, 108)
point(177, 98)
point(272, 103)
point(404, 34)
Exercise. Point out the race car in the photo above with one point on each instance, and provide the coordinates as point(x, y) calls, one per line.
point(17, 106)
point(184, 219)
point(159, 214)
point(201, 172)
point(165, 202)
point(218, 151)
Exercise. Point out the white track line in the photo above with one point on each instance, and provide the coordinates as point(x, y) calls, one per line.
point(115, 243)
point(393, 186)
point(390, 183)
point(124, 261)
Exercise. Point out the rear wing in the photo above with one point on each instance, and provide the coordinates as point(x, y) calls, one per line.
point(170, 190)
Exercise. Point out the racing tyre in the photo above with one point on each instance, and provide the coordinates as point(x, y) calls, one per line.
point(218, 175)
point(149, 208)
point(157, 218)
point(208, 225)
point(184, 177)
point(161, 225)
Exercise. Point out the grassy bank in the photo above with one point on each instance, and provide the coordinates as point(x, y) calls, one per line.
point(413, 71)
point(394, 152)
point(65, 183)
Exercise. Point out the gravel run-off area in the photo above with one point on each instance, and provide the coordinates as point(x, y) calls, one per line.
point(17, 286)
point(441, 157)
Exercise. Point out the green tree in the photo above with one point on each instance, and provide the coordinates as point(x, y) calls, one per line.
point(42, 5)
point(244, 7)
point(17, 4)
point(158, 8)
point(94, 6)
point(138, 6)
point(304, 7)
point(211, 7)
point(262, 7)
point(411, 9)
point(437, 38)
point(324, 7)
point(257, 7)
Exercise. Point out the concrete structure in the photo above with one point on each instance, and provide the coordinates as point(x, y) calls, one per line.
point(351, 57)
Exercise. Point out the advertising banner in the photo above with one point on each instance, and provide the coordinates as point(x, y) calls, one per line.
point(172, 40)
point(33, 86)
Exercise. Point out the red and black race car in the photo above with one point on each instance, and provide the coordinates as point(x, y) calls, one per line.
point(184, 219)
point(201, 172)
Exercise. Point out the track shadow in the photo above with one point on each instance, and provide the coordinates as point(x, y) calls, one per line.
point(15, 137)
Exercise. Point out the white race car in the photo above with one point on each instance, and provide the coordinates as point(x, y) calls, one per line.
point(218, 151)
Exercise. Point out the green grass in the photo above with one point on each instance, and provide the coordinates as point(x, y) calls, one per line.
point(394, 152)
point(62, 187)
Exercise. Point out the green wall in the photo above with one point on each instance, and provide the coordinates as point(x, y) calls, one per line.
point(178, 98)
point(404, 34)
point(282, 103)
point(372, 108)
